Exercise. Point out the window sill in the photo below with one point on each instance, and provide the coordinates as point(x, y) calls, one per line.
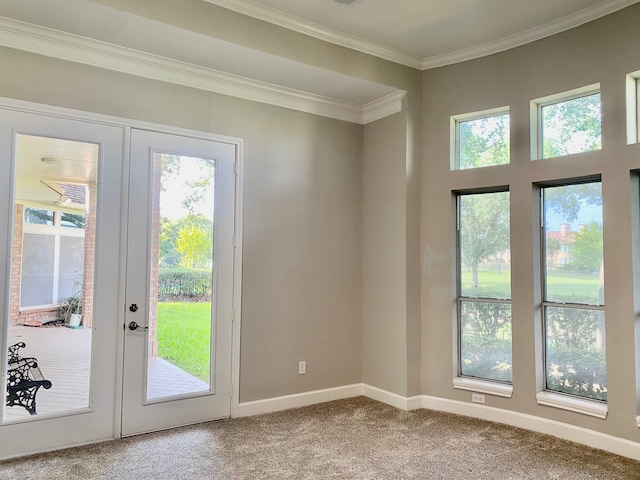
point(483, 386)
point(578, 405)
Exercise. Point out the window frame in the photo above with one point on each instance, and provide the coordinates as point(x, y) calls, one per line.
point(563, 400)
point(454, 136)
point(538, 104)
point(496, 387)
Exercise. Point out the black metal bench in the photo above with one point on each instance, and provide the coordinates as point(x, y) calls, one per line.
point(24, 379)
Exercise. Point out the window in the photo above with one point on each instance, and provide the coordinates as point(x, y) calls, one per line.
point(484, 286)
point(481, 139)
point(568, 123)
point(38, 216)
point(52, 256)
point(573, 303)
point(633, 107)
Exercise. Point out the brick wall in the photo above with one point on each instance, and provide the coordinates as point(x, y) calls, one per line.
point(155, 255)
point(89, 258)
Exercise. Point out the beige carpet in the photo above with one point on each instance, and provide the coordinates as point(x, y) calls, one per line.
point(347, 439)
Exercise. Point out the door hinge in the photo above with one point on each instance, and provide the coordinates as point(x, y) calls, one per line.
point(234, 240)
point(235, 167)
point(230, 391)
point(233, 315)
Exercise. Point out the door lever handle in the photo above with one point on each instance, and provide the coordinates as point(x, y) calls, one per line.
point(135, 326)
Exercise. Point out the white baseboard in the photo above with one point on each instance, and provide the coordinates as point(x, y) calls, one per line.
point(268, 405)
point(584, 436)
point(393, 399)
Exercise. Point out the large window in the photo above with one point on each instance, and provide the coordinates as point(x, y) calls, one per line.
point(481, 139)
point(52, 256)
point(484, 286)
point(574, 290)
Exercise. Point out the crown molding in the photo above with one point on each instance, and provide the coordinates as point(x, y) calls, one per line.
point(75, 48)
point(318, 31)
point(557, 26)
point(336, 37)
point(383, 107)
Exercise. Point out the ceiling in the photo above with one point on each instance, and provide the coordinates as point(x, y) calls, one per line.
point(418, 33)
point(428, 33)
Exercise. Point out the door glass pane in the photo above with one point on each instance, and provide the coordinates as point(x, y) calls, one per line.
point(50, 315)
point(180, 307)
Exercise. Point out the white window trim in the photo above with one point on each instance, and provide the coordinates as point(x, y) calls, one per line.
point(455, 122)
point(633, 107)
point(536, 113)
point(584, 406)
point(483, 386)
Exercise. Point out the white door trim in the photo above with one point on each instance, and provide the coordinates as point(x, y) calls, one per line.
point(128, 125)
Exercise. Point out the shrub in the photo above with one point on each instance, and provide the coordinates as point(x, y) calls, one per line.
point(184, 284)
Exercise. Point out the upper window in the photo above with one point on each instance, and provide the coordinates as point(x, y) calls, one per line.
point(481, 139)
point(38, 216)
point(569, 123)
point(574, 290)
point(484, 286)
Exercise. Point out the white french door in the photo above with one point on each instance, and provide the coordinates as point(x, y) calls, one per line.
point(60, 206)
point(179, 281)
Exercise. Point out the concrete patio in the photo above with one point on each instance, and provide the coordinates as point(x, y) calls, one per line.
point(64, 356)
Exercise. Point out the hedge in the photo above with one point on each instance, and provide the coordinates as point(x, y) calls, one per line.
point(184, 284)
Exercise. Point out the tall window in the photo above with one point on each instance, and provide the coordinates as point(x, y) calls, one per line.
point(481, 139)
point(574, 290)
point(484, 286)
point(52, 256)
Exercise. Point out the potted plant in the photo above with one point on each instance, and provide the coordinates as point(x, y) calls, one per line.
point(70, 310)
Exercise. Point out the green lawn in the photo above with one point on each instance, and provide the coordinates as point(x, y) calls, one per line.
point(561, 286)
point(184, 336)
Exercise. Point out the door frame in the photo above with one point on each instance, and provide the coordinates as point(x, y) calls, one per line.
point(127, 125)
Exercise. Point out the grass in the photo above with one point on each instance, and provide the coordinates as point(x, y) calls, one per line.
point(562, 286)
point(184, 336)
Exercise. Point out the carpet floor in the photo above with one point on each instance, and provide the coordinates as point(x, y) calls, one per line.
point(356, 438)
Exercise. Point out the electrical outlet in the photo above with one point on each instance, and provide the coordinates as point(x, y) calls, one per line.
point(302, 368)
point(477, 398)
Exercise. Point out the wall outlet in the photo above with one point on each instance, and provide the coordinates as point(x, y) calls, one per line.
point(477, 398)
point(302, 368)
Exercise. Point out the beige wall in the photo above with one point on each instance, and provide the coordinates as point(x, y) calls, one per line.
point(603, 51)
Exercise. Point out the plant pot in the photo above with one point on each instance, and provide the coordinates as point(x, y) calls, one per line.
point(75, 319)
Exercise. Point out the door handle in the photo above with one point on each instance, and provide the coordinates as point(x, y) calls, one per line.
point(135, 326)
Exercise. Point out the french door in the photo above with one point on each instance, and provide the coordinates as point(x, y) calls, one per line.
point(116, 279)
point(179, 281)
point(60, 206)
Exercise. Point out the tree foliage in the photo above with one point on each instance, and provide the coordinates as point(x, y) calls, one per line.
point(484, 228)
point(484, 142)
point(587, 249)
point(194, 234)
point(571, 127)
point(486, 340)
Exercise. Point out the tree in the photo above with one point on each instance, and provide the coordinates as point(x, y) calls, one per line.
point(194, 246)
point(484, 142)
point(570, 127)
point(484, 228)
point(173, 164)
point(587, 249)
point(170, 230)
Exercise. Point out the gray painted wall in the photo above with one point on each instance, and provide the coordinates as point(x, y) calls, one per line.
point(603, 51)
point(303, 215)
